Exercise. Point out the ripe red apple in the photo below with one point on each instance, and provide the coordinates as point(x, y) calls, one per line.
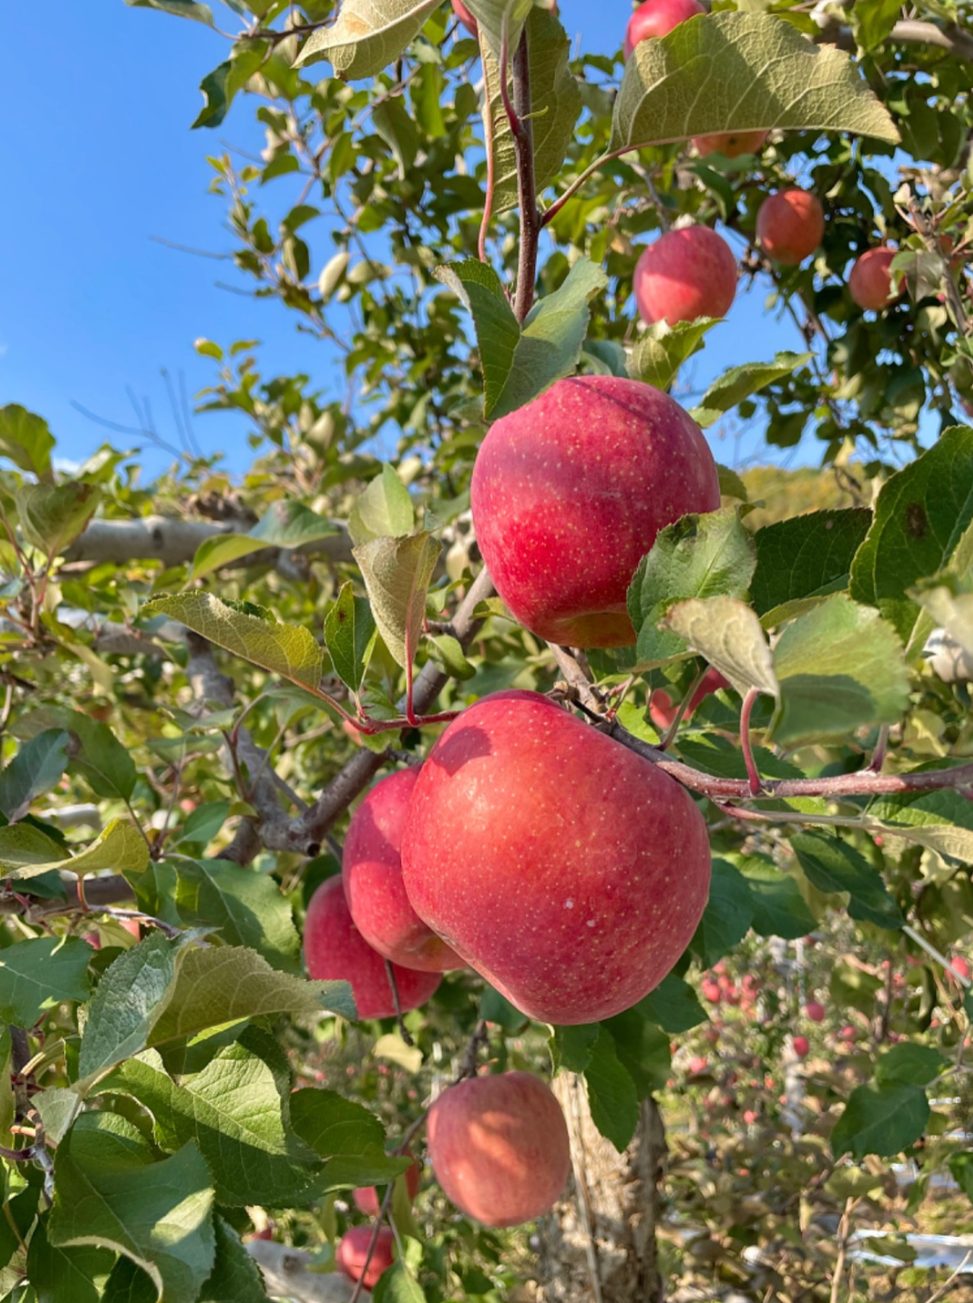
point(801, 1046)
point(656, 18)
point(366, 1197)
point(731, 144)
point(870, 282)
point(662, 708)
point(960, 967)
point(372, 875)
point(568, 494)
point(353, 1250)
point(698, 1064)
point(687, 273)
point(499, 1147)
point(567, 870)
point(465, 17)
point(790, 225)
point(815, 1011)
point(334, 950)
point(848, 1034)
point(711, 991)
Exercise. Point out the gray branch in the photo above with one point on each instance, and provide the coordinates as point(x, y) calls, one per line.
point(288, 1274)
point(174, 541)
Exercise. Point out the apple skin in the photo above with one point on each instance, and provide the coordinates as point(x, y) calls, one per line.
point(371, 870)
point(568, 494)
point(334, 950)
point(815, 1011)
point(565, 869)
point(687, 273)
point(366, 1197)
point(662, 708)
point(465, 17)
point(499, 1147)
point(870, 282)
point(790, 225)
point(960, 967)
point(731, 144)
point(353, 1250)
point(657, 18)
point(801, 1046)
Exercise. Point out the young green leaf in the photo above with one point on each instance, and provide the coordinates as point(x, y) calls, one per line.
point(26, 440)
point(740, 382)
point(880, 1120)
point(52, 516)
point(348, 629)
point(368, 36)
point(804, 558)
point(283, 525)
point(383, 510)
point(37, 974)
point(661, 350)
point(397, 574)
point(119, 847)
point(728, 634)
point(833, 865)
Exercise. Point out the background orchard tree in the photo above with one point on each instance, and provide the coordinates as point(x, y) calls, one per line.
point(202, 676)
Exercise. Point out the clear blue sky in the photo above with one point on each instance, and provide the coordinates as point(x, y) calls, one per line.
point(97, 160)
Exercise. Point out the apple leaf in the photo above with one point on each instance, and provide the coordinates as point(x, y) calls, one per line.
point(741, 72)
point(779, 909)
point(961, 1169)
point(673, 1006)
point(236, 1277)
point(833, 865)
point(881, 1120)
point(284, 525)
point(728, 634)
point(61, 1275)
point(661, 349)
point(728, 914)
point(348, 629)
point(948, 600)
point(96, 754)
point(38, 974)
point(397, 574)
point(52, 516)
point(26, 852)
point(642, 1047)
point(806, 557)
point(911, 1064)
point(383, 510)
point(26, 440)
point(611, 1092)
point(941, 821)
point(179, 8)
point(35, 769)
point(737, 384)
point(344, 1133)
point(493, 16)
point(368, 35)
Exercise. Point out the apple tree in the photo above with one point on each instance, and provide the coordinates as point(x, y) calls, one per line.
point(489, 849)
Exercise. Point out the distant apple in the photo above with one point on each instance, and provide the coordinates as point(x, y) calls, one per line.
point(870, 282)
point(657, 18)
point(961, 967)
point(711, 991)
point(801, 1046)
point(848, 1034)
point(366, 1197)
point(731, 144)
point(688, 272)
point(790, 225)
point(353, 1252)
point(698, 1064)
point(815, 1011)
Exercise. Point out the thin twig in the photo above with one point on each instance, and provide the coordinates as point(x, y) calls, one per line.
point(753, 773)
point(397, 1004)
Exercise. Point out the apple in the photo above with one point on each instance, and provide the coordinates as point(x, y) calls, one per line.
point(848, 1034)
point(499, 1147)
point(565, 869)
point(465, 17)
point(568, 494)
point(687, 273)
point(801, 1046)
point(353, 1251)
point(960, 967)
point(731, 144)
point(662, 708)
point(870, 282)
point(790, 225)
point(334, 950)
point(656, 18)
point(815, 1010)
point(366, 1198)
point(372, 875)
point(698, 1064)
point(750, 1116)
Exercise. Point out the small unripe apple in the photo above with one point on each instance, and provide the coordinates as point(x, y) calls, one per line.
point(371, 870)
point(815, 1010)
point(790, 225)
point(568, 494)
point(731, 144)
point(801, 1046)
point(499, 1147)
point(334, 950)
point(353, 1251)
point(366, 1197)
point(657, 18)
point(687, 273)
point(465, 17)
point(870, 282)
point(521, 851)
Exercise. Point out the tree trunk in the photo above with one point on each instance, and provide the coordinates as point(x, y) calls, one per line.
point(599, 1244)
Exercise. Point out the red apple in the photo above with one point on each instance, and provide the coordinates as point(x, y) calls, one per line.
point(698, 1064)
point(334, 950)
point(565, 869)
point(366, 1198)
point(465, 17)
point(353, 1252)
point(960, 967)
point(711, 991)
point(687, 273)
point(499, 1147)
point(750, 1116)
point(790, 225)
point(372, 875)
point(801, 1046)
point(870, 282)
point(656, 18)
point(568, 494)
point(848, 1034)
point(815, 1011)
point(731, 144)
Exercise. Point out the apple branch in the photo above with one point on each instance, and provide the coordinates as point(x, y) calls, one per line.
point(753, 773)
point(518, 111)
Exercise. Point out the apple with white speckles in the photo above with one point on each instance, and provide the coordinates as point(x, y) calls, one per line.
point(568, 494)
point(654, 18)
point(561, 866)
point(685, 274)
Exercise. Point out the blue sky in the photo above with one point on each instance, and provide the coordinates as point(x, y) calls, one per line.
point(98, 163)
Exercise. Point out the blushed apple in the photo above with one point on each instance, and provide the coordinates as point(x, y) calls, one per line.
point(465, 17)
point(371, 870)
point(499, 1147)
point(801, 1046)
point(568, 494)
point(815, 1010)
point(334, 950)
point(662, 708)
point(565, 869)
point(731, 144)
point(657, 18)
point(687, 273)
point(352, 1253)
point(790, 225)
point(870, 282)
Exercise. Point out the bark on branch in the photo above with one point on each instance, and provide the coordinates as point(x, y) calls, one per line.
point(174, 542)
point(288, 1274)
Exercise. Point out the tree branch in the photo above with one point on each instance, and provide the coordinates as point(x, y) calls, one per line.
point(174, 541)
point(289, 1274)
point(518, 115)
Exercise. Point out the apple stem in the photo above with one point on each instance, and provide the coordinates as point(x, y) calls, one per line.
point(518, 112)
point(881, 750)
point(753, 773)
point(397, 1004)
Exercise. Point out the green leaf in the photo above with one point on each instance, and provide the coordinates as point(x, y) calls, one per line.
point(129, 1284)
point(233, 1113)
point(383, 510)
point(119, 847)
point(697, 556)
point(673, 1006)
point(519, 363)
point(880, 1120)
point(219, 87)
point(35, 769)
point(203, 824)
point(737, 384)
point(909, 1064)
point(392, 122)
point(397, 1285)
point(873, 22)
point(643, 1048)
point(347, 1136)
point(287, 650)
point(38, 974)
point(109, 1191)
point(97, 755)
point(180, 8)
point(493, 16)
point(728, 633)
point(661, 350)
point(235, 1277)
point(779, 909)
point(58, 1107)
point(368, 35)
point(284, 525)
point(66, 1275)
point(572, 1047)
point(348, 629)
point(556, 104)
point(448, 651)
point(612, 1097)
point(805, 557)
point(741, 72)
point(833, 865)
point(961, 1167)
point(26, 439)
point(52, 516)
point(921, 515)
point(942, 821)
point(397, 574)
point(839, 666)
point(728, 914)
point(22, 846)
